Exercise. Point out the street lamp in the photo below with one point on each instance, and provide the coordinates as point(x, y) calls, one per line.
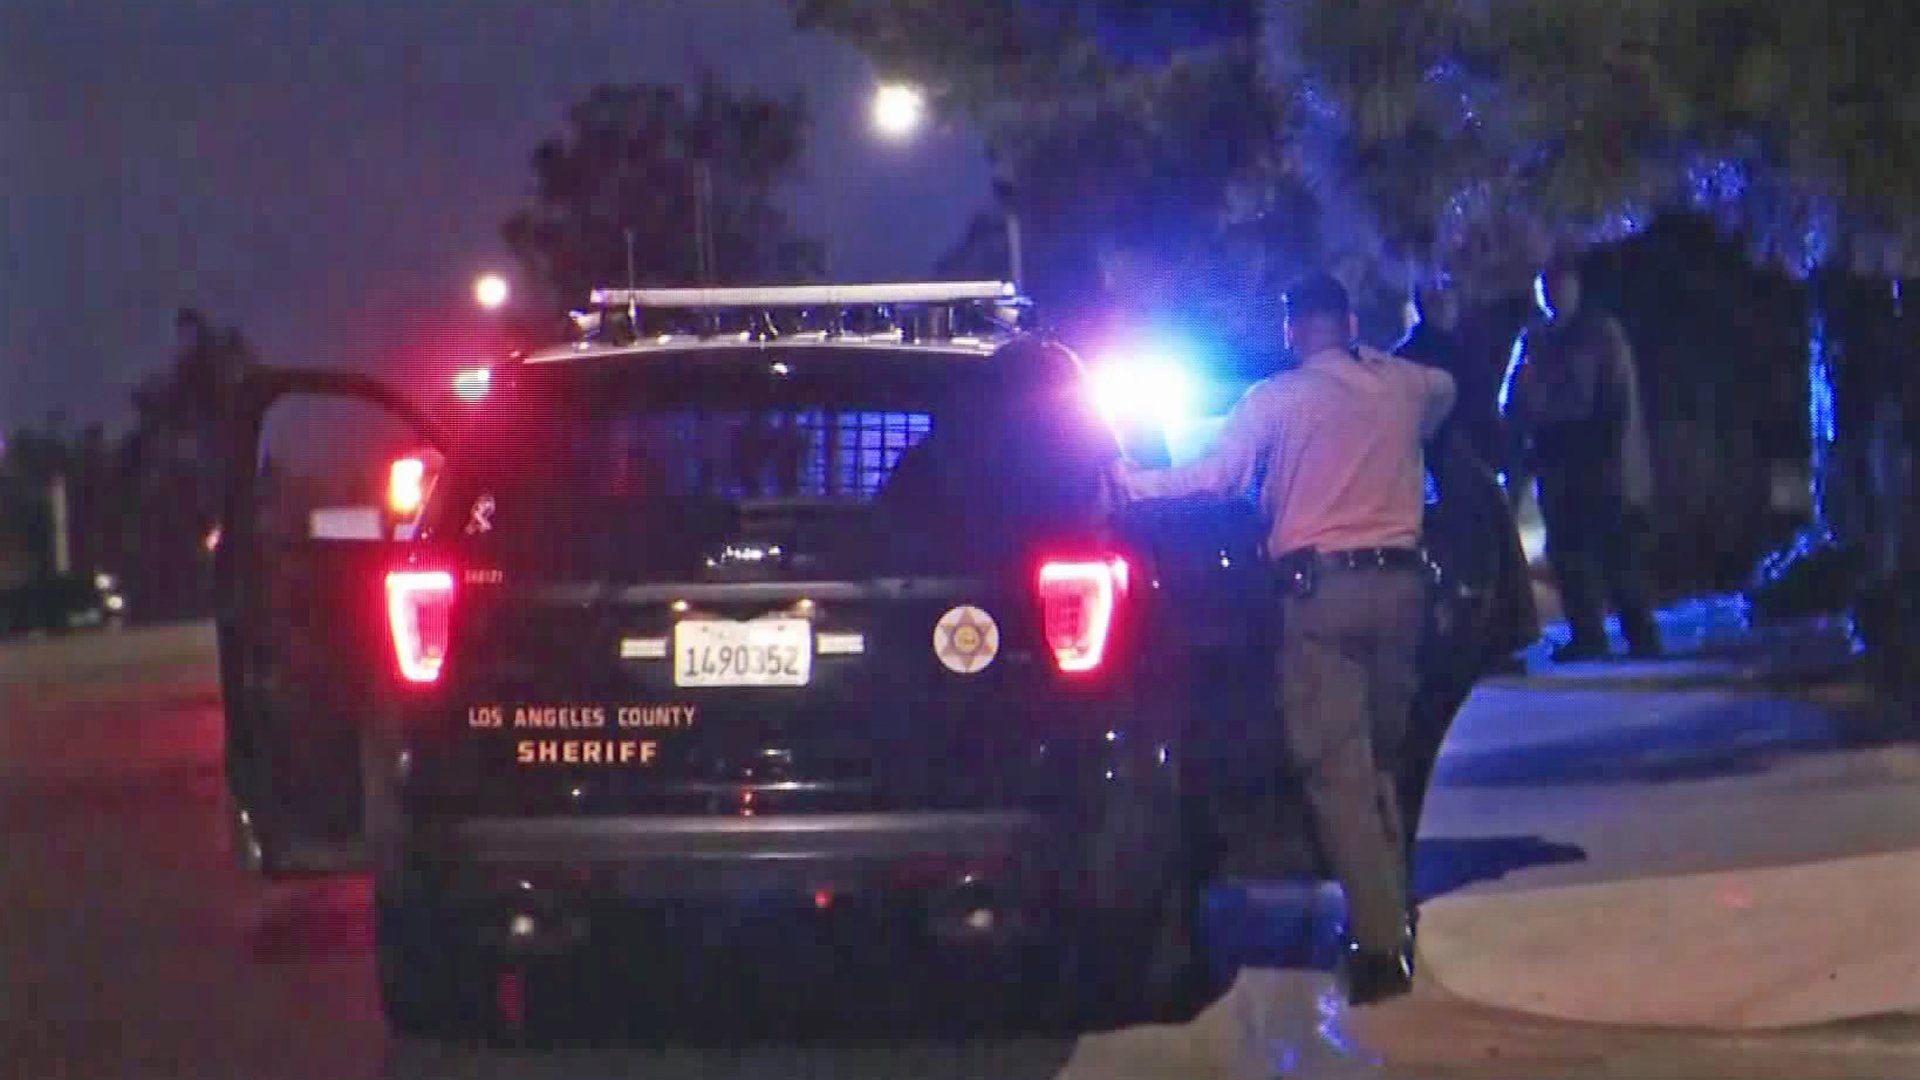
point(898, 110)
point(1003, 193)
point(490, 291)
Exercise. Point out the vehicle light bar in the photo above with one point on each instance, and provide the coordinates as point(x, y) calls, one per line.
point(932, 292)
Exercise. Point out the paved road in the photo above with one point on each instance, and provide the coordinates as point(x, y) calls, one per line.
point(130, 947)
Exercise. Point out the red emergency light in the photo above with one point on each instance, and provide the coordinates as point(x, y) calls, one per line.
point(406, 486)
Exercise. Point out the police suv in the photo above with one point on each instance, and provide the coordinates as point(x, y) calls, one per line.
point(808, 596)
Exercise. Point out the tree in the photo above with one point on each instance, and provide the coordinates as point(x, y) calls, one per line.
point(1239, 142)
point(1117, 131)
point(173, 466)
point(692, 172)
point(1582, 120)
point(33, 457)
point(181, 412)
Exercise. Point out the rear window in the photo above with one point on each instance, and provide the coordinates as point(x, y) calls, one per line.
point(742, 453)
point(671, 450)
point(728, 425)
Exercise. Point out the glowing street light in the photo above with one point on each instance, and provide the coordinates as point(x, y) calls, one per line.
point(490, 291)
point(898, 110)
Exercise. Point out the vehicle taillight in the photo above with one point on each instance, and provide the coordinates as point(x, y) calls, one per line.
point(419, 606)
point(406, 486)
point(1079, 601)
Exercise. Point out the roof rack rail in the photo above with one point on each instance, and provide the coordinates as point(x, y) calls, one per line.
point(928, 292)
point(972, 313)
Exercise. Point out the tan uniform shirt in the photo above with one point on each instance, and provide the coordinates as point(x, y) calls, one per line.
point(1337, 445)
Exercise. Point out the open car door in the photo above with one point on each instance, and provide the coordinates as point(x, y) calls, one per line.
point(1483, 608)
point(304, 539)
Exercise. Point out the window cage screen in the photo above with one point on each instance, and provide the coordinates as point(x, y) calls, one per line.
point(773, 453)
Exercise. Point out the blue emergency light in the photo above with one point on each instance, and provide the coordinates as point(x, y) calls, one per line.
point(1130, 390)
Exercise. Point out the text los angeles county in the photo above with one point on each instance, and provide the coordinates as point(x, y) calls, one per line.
point(575, 751)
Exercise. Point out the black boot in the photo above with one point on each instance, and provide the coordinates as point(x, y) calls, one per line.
point(1373, 977)
point(1579, 650)
point(1643, 638)
point(1506, 665)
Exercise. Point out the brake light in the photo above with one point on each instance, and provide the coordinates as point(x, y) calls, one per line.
point(406, 486)
point(419, 610)
point(1078, 603)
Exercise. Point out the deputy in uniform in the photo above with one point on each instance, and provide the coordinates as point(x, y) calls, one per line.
point(1334, 449)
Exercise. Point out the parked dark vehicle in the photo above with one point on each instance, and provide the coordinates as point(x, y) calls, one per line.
point(818, 618)
point(57, 603)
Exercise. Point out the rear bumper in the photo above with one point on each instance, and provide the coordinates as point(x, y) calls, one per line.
point(686, 858)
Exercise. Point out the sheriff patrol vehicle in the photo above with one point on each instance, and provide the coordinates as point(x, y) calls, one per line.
point(807, 595)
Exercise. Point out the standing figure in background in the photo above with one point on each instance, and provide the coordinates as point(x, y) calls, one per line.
point(1434, 339)
point(1471, 437)
point(1572, 407)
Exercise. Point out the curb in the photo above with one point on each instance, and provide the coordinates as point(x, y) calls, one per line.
point(1760, 679)
point(1899, 1031)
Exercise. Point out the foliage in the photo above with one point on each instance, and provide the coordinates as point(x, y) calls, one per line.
point(190, 399)
point(633, 157)
point(1118, 131)
point(1582, 119)
point(32, 457)
point(1466, 135)
point(179, 443)
point(1206, 151)
point(1556, 122)
point(140, 504)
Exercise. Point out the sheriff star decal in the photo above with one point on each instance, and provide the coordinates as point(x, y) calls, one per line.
point(966, 639)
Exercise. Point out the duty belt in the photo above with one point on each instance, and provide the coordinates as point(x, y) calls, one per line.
point(1298, 570)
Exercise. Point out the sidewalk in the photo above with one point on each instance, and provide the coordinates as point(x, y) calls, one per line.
point(1294, 1023)
point(1711, 642)
point(1771, 948)
point(1774, 948)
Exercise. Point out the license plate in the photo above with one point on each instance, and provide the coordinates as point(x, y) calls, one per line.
point(763, 652)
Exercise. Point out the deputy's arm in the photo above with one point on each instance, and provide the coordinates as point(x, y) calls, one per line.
point(1228, 466)
point(1440, 394)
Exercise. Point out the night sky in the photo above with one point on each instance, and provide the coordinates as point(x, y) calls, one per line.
point(331, 174)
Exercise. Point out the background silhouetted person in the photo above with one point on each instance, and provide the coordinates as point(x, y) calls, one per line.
point(1572, 406)
point(1472, 435)
point(1435, 339)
